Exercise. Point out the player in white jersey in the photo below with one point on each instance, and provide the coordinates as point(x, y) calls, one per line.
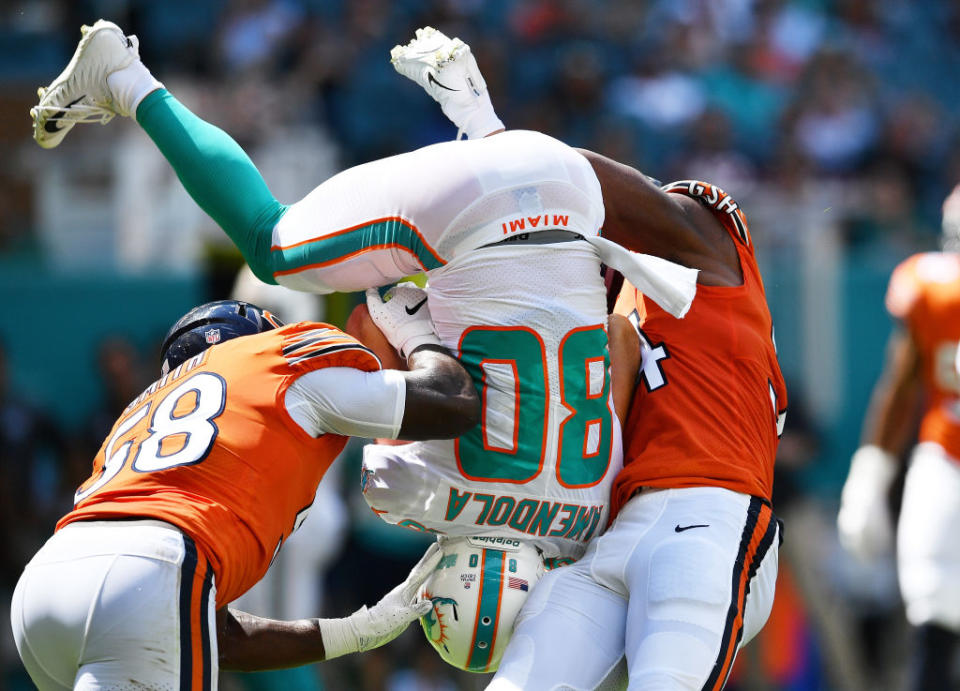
point(676, 605)
point(507, 229)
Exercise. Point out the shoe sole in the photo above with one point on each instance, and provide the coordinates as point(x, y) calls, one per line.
point(40, 120)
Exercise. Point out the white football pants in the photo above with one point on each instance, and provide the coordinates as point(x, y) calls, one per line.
point(928, 547)
point(679, 582)
point(117, 605)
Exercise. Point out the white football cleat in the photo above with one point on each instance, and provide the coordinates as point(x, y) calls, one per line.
point(447, 70)
point(80, 93)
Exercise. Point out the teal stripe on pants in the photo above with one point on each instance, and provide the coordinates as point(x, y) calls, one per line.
point(327, 249)
point(218, 174)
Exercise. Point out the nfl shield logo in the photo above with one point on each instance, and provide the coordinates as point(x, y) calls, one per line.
point(212, 336)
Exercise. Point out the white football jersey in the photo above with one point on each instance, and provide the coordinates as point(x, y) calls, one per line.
point(524, 309)
point(529, 324)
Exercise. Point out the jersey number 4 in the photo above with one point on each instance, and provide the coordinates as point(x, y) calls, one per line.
point(651, 371)
point(653, 377)
point(181, 432)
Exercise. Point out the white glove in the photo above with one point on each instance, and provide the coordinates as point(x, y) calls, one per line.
point(403, 317)
point(864, 522)
point(366, 629)
point(446, 69)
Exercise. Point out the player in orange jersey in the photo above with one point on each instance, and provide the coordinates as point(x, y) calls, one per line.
point(919, 382)
point(685, 574)
point(201, 480)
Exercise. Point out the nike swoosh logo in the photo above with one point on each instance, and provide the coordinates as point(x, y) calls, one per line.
point(680, 529)
point(433, 80)
point(52, 125)
point(415, 308)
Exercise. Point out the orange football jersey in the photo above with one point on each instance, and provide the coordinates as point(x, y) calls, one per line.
point(211, 448)
point(710, 401)
point(924, 293)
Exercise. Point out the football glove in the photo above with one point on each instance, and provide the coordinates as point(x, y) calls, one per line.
point(864, 522)
point(403, 316)
point(370, 628)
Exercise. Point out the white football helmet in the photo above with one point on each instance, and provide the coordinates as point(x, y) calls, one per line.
point(477, 591)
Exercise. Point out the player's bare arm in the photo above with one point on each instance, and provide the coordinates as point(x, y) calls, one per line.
point(891, 419)
point(438, 387)
point(864, 522)
point(643, 218)
point(249, 643)
point(625, 357)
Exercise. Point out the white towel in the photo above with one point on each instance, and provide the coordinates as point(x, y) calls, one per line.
point(670, 285)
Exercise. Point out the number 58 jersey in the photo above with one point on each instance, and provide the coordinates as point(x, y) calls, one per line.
point(528, 322)
point(212, 449)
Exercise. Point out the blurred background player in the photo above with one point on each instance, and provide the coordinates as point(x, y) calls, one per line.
point(919, 385)
point(685, 575)
point(507, 230)
point(202, 479)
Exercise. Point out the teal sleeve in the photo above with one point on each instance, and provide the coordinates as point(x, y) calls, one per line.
point(219, 176)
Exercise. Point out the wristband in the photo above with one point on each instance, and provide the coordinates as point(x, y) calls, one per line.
point(339, 637)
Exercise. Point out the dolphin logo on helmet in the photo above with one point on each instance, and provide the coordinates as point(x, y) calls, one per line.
point(477, 591)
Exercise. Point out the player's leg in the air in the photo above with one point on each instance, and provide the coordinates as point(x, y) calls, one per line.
point(107, 78)
point(348, 234)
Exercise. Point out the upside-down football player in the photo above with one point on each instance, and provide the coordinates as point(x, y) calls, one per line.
point(201, 480)
point(685, 574)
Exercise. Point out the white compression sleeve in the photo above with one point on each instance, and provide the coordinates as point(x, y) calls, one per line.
point(343, 400)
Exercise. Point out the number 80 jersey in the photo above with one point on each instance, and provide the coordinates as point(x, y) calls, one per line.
point(528, 322)
point(212, 449)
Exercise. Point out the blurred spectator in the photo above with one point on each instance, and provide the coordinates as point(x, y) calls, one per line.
point(32, 448)
point(835, 120)
point(122, 378)
point(710, 155)
point(254, 34)
point(657, 94)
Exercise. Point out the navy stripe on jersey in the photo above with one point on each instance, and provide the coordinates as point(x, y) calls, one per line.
point(309, 338)
point(188, 570)
point(205, 606)
point(319, 342)
point(331, 349)
point(724, 662)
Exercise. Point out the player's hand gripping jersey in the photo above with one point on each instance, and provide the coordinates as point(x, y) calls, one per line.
point(924, 293)
point(223, 460)
point(711, 402)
